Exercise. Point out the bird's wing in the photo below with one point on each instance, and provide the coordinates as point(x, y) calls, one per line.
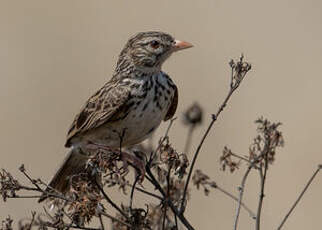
point(108, 103)
point(173, 107)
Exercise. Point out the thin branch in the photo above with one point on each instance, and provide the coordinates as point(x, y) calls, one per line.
point(300, 197)
point(233, 87)
point(101, 222)
point(23, 196)
point(22, 169)
point(262, 180)
point(36, 189)
point(164, 217)
point(241, 193)
point(242, 186)
point(109, 200)
point(32, 220)
point(240, 157)
point(146, 192)
point(176, 221)
point(167, 197)
point(115, 219)
point(132, 192)
point(169, 126)
point(156, 184)
point(250, 212)
point(68, 226)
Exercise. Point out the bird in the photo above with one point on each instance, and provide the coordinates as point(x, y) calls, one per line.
point(134, 102)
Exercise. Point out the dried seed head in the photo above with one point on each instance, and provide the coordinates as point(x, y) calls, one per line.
point(226, 160)
point(193, 115)
point(200, 179)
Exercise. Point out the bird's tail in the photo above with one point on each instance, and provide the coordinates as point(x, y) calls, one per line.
point(74, 163)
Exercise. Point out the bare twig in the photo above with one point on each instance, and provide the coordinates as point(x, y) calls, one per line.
point(241, 193)
point(36, 188)
point(300, 197)
point(164, 217)
point(101, 222)
point(156, 184)
point(23, 196)
point(132, 192)
point(264, 154)
point(146, 192)
point(250, 212)
point(169, 126)
point(23, 170)
point(32, 220)
point(115, 219)
point(66, 226)
point(168, 196)
point(240, 157)
point(201, 179)
point(109, 199)
point(239, 70)
point(262, 180)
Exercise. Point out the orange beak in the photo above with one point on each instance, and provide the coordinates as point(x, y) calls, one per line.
point(180, 45)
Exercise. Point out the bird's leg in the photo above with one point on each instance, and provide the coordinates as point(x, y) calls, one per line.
point(135, 162)
point(127, 158)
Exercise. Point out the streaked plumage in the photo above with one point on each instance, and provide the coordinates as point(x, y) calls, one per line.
point(132, 104)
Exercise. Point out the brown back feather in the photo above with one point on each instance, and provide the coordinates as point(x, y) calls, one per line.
point(103, 105)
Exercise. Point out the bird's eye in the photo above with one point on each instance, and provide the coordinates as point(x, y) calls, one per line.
point(154, 44)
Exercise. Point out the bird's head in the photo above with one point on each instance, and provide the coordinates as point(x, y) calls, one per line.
point(147, 51)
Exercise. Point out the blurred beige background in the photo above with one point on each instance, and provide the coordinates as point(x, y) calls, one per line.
point(55, 54)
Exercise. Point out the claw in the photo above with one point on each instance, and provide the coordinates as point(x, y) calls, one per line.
point(137, 163)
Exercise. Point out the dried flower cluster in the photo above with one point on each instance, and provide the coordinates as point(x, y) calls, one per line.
point(239, 71)
point(262, 149)
point(267, 140)
point(200, 179)
point(85, 199)
point(227, 159)
point(9, 185)
point(174, 161)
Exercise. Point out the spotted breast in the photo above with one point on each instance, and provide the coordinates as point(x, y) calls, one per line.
point(151, 100)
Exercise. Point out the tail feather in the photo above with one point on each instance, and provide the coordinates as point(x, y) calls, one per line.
point(74, 163)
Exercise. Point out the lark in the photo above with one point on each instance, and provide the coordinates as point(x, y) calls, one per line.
point(131, 105)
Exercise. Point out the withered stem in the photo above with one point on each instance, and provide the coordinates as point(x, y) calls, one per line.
point(299, 198)
point(181, 217)
point(109, 199)
point(262, 182)
point(233, 87)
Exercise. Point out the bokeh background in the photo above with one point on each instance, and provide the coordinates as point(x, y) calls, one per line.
point(55, 54)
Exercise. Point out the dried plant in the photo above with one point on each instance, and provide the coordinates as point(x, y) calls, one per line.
point(168, 170)
point(6, 224)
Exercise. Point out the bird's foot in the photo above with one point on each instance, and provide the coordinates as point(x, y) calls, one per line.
point(137, 163)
